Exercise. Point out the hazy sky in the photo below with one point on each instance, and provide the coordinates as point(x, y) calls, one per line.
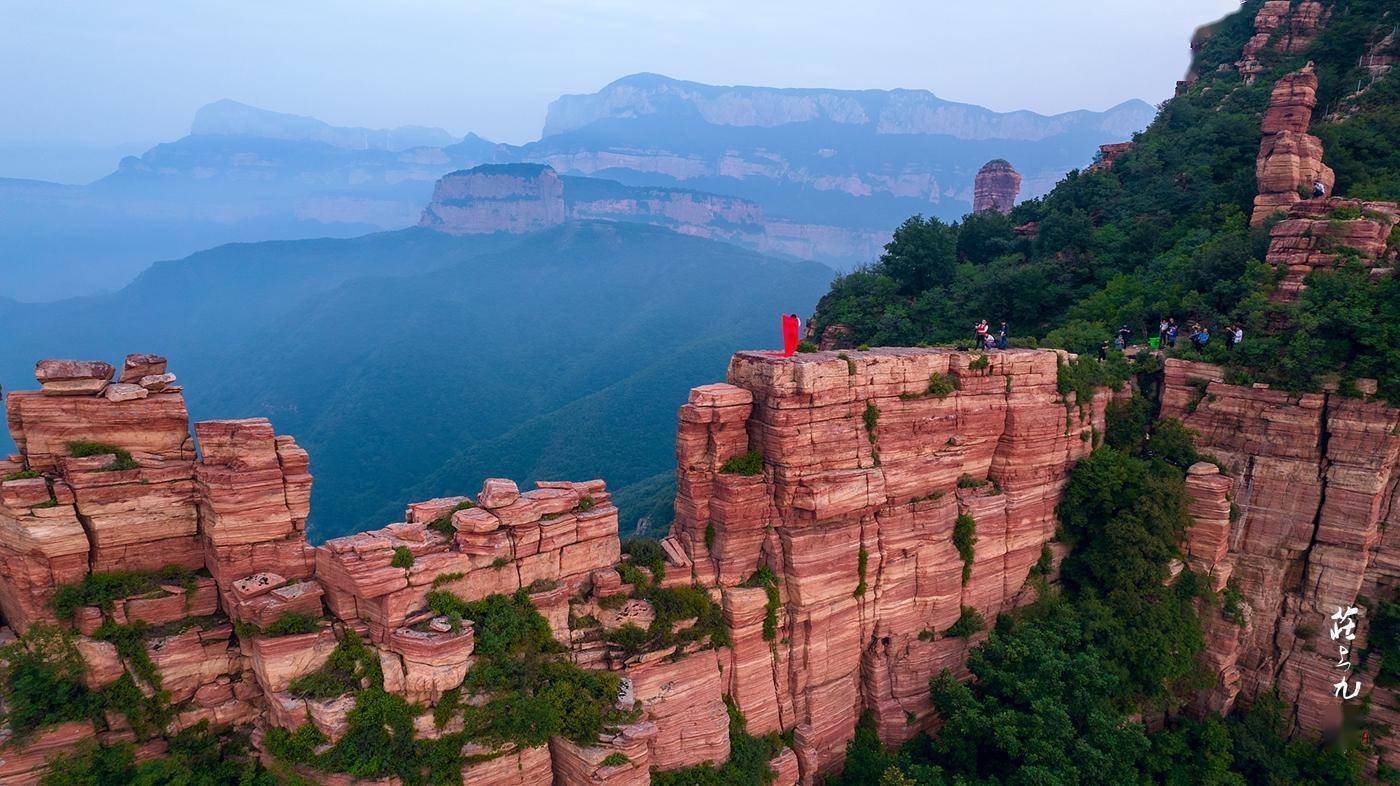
point(123, 72)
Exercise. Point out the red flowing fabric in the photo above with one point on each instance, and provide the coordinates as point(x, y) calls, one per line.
point(790, 323)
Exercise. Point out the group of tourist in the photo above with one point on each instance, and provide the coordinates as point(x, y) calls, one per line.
point(986, 339)
point(1168, 331)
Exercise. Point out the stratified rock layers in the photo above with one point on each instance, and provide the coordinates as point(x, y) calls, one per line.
point(1311, 489)
point(865, 463)
point(1326, 234)
point(515, 198)
point(1281, 26)
point(854, 512)
point(996, 187)
point(1290, 159)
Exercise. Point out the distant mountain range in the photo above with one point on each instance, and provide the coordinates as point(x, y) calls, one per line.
point(231, 118)
point(837, 169)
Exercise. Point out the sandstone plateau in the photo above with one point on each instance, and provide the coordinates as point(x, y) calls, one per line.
point(521, 198)
point(863, 465)
point(853, 516)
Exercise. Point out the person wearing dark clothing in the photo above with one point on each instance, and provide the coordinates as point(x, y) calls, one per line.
point(1123, 334)
point(1319, 189)
point(1103, 350)
point(1003, 339)
point(1172, 330)
point(1230, 338)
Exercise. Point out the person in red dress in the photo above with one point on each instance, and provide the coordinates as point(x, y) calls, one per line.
point(791, 331)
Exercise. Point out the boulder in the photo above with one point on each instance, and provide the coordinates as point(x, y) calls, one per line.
point(137, 367)
point(497, 493)
point(122, 391)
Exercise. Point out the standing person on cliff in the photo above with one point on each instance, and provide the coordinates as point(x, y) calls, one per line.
point(1162, 326)
point(792, 330)
point(980, 331)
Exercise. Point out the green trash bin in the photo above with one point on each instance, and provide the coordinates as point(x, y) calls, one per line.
point(1154, 342)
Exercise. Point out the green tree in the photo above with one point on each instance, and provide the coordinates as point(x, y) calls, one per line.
point(922, 254)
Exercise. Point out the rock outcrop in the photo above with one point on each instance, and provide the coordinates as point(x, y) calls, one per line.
point(1301, 523)
point(1108, 154)
point(1290, 159)
point(996, 187)
point(514, 198)
point(1281, 26)
point(1325, 234)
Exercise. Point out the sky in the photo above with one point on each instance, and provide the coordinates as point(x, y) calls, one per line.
point(113, 75)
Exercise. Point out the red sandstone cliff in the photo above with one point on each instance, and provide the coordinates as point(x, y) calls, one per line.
point(855, 520)
point(861, 469)
point(1282, 26)
point(866, 461)
point(1309, 525)
point(1326, 234)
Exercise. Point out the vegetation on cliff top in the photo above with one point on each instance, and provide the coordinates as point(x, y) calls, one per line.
point(103, 588)
point(1165, 232)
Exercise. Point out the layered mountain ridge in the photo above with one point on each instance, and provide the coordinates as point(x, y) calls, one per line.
point(887, 111)
point(248, 174)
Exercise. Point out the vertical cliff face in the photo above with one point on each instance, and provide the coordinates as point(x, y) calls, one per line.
point(1321, 232)
point(521, 198)
point(1312, 495)
point(875, 466)
point(111, 522)
point(513, 198)
point(996, 187)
